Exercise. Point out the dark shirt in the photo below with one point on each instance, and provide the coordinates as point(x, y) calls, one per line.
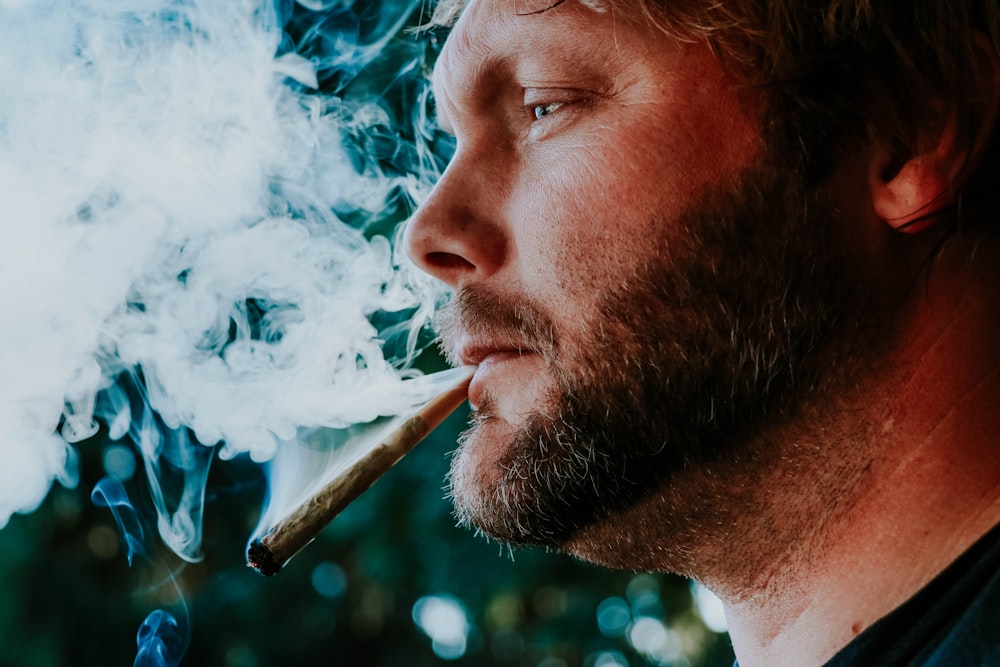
point(954, 621)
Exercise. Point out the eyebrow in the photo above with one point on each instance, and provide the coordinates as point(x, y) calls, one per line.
point(486, 71)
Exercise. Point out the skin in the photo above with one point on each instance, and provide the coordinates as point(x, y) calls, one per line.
point(584, 142)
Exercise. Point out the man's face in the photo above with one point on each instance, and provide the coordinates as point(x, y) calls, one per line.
point(634, 272)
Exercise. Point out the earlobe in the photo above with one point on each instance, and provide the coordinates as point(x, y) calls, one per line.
point(905, 195)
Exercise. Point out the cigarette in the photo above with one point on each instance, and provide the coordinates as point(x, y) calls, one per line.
point(269, 553)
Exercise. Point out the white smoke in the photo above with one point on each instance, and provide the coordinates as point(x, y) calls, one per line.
point(166, 194)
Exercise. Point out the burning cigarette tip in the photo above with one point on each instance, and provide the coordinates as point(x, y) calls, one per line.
point(260, 558)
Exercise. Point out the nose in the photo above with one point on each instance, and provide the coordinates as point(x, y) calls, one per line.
point(456, 235)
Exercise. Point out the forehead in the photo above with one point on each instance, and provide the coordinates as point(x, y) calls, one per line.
point(493, 30)
point(526, 39)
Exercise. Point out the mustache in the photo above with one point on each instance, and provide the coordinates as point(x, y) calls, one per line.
point(483, 314)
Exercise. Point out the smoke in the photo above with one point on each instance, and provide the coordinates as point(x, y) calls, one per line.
point(163, 636)
point(175, 263)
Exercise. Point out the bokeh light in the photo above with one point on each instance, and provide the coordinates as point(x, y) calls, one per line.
point(710, 608)
point(329, 580)
point(119, 462)
point(606, 659)
point(444, 620)
point(613, 617)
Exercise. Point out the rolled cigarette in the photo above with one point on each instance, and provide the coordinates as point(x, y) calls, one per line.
point(269, 553)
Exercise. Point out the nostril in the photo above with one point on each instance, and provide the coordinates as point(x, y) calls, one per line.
point(448, 261)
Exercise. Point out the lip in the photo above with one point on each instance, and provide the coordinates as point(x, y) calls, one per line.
point(491, 360)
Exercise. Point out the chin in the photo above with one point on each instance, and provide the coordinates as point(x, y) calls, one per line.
point(488, 492)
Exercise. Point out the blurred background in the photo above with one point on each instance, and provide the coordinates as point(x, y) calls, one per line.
point(392, 582)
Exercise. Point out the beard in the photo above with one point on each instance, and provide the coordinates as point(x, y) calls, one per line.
point(722, 330)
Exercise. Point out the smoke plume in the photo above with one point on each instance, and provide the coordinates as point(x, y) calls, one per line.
point(175, 265)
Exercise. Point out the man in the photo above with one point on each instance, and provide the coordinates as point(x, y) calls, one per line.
point(730, 274)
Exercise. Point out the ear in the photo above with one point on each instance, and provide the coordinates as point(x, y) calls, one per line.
point(904, 195)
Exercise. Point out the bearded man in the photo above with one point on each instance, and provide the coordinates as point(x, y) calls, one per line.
point(730, 272)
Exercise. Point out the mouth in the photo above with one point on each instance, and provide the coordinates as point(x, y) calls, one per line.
point(494, 363)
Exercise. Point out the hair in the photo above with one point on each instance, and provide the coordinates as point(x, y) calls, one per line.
point(902, 75)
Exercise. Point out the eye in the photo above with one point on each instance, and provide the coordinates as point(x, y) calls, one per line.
point(540, 111)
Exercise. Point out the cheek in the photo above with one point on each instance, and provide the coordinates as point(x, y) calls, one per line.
point(580, 224)
point(592, 208)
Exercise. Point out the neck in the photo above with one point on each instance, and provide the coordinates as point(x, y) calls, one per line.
point(925, 486)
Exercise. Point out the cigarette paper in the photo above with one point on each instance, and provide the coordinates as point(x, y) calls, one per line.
point(270, 552)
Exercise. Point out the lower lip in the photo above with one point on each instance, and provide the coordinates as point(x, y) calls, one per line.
point(490, 366)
